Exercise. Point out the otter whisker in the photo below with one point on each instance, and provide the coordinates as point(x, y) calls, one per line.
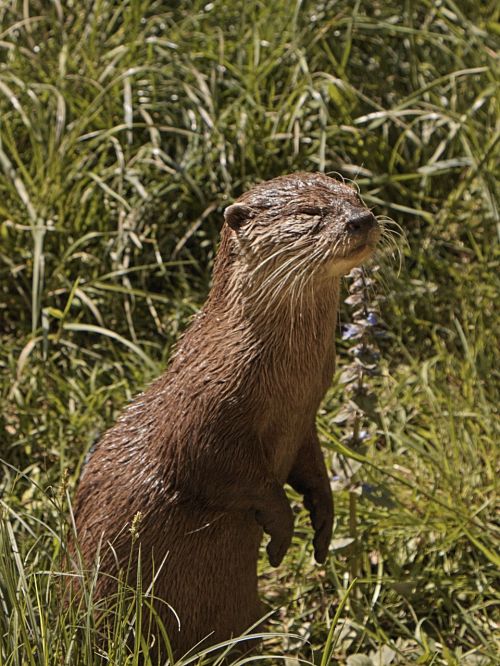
point(389, 245)
point(271, 294)
point(278, 253)
point(303, 275)
point(384, 220)
point(282, 268)
point(284, 288)
point(305, 278)
point(382, 286)
point(279, 289)
point(390, 233)
point(332, 251)
point(298, 292)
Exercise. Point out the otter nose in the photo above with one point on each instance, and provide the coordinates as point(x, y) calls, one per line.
point(361, 221)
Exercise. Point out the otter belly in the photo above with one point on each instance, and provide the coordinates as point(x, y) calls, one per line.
point(210, 576)
point(202, 569)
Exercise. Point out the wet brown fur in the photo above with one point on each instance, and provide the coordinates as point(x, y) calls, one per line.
point(204, 452)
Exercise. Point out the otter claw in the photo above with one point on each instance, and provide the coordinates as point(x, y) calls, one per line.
point(276, 553)
point(321, 542)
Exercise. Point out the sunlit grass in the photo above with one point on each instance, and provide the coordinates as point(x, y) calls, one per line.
point(125, 128)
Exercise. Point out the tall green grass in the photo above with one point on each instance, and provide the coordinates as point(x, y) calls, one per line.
point(125, 128)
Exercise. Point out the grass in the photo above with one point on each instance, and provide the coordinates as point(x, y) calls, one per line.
point(125, 128)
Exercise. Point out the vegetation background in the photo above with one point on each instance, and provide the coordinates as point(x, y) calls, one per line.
point(125, 128)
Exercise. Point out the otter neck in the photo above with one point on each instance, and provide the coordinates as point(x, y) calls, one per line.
point(297, 318)
point(292, 332)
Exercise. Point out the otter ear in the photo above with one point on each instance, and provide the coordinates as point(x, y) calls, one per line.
point(237, 214)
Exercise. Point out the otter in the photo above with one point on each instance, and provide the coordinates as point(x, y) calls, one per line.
point(202, 456)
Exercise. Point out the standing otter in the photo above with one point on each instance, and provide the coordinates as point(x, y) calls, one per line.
point(203, 454)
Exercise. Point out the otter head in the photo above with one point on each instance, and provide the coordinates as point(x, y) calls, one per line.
point(306, 222)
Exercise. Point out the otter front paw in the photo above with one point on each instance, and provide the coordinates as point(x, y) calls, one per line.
point(319, 503)
point(277, 520)
point(280, 542)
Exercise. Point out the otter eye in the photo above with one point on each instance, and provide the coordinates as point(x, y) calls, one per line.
point(310, 210)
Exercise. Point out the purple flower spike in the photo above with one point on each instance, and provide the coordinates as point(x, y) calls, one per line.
point(352, 331)
point(354, 299)
point(362, 334)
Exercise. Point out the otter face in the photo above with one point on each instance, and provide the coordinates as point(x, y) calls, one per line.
point(306, 217)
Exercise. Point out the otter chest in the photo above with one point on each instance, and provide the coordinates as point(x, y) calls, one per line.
point(286, 448)
point(288, 425)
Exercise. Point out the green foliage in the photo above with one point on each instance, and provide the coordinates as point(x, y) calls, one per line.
point(125, 128)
